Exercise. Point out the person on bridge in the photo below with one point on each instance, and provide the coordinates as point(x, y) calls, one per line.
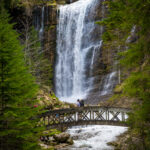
point(78, 103)
point(81, 103)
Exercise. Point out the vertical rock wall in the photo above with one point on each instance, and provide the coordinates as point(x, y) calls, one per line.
point(49, 33)
point(103, 63)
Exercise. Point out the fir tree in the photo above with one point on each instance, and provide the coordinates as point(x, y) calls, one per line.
point(18, 129)
point(134, 57)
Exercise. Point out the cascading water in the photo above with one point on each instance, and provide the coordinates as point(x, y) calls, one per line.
point(38, 21)
point(76, 49)
point(96, 48)
point(42, 24)
point(109, 83)
point(94, 137)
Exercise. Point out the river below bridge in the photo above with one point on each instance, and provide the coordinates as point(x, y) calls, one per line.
point(94, 137)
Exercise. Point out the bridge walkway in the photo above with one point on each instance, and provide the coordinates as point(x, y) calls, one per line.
point(91, 115)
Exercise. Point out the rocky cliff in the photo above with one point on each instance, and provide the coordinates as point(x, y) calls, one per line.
point(44, 18)
point(104, 62)
point(49, 28)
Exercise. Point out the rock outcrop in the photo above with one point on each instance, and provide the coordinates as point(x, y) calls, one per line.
point(49, 22)
point(63, 138)
point(128, 141)
point(104, 60)
point(55, 141)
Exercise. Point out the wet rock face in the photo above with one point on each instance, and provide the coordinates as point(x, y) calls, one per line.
point(62, 137)
point(46, 16)
point(57, 141)
point(50, 32)
point(103, 63)
point(102, 58)
point(127, 142)
point(70, 1)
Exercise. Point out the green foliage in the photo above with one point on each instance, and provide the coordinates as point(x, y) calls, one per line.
point(18, 125)
point(51, 132)
point(137, 85)
point(9, 3)
point(134, 56)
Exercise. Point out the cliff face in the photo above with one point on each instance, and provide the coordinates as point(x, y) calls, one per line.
point(44, 18)
point(105, 70)
point(103, 60)
point(45, 21)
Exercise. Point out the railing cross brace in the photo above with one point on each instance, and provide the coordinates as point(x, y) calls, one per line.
point(69, 118)
point(115, 116)
point(99, 115)
point(84, 115)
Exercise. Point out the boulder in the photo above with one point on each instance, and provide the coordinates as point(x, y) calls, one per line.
point(60, 146)
point(70, 1)
point(112, 144)
point(70, 141)
point(62, 137)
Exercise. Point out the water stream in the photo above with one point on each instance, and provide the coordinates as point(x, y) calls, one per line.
point(41, 30)
point(94, 137)
point(108, 83)
point(38, 21)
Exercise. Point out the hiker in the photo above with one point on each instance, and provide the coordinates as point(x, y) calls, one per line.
point(78, 103)
point(82, 103)
point(57, 115)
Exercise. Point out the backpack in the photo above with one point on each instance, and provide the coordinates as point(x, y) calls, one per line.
point(82, 103)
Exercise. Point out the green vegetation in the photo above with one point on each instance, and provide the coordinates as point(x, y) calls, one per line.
point(23, 69)
point(18, 125)
point(9, 3)
point(30, 3)
point(18, 87)
point(27, 3)
point(134, 55)
point(51, 132)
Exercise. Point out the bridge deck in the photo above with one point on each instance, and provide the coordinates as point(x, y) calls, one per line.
point(93, 115)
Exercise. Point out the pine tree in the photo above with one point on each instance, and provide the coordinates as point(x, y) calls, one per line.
point(123, 16)
point(18, 128)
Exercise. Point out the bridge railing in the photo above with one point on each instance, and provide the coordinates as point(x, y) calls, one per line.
point(81, 115)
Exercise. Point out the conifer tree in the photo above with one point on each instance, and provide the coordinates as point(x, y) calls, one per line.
point(18, 129)
point(123, 17)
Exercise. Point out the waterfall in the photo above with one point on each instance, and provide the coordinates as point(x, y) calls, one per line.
point(97, 47)
point(38, 21)
point(41, 31)
point(77, 44)
point(108, 83)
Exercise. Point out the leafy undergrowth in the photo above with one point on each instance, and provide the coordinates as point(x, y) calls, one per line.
point(130, 140)
point(50, 101)
point(119, 99)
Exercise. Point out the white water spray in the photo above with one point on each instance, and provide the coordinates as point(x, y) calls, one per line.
point(94, 137)
point(42, 24)
point(74, 44)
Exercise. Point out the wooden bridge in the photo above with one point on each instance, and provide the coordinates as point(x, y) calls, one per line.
point(93, 115)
